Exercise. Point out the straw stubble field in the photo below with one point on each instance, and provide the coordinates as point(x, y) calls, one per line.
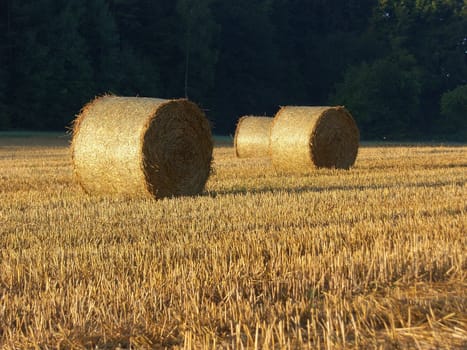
point(374, 257)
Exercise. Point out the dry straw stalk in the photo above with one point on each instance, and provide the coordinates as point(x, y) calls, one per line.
point(307, 137)
point(141, 146)
point(252, 136)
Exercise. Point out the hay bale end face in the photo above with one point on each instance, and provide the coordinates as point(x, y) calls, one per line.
point(252, 136)
point(310, 137)
point(141, 147)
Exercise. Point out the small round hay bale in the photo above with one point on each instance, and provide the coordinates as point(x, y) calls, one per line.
point(309, 137)
point(141, 146)
point(252, 136)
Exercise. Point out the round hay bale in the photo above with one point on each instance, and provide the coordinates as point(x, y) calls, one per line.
point(309, 137)
point(252, 136)
point(141, 146)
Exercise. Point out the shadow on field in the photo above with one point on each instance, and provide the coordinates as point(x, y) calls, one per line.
point(376, 166)
point(406, 144)
point(320, 189)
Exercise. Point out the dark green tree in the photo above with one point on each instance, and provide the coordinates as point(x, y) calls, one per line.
point(139, 76)
point(4, 117)
point(434, 33)
point(29, 65)
point(150, 34)
point(454, 113)
point(383, 96)
point(72, 70)
point(4, 52)
point(100, 32)
point(246, 79)
point(317, 40)
point(198, 44)
point(392, 60)
point(52, 76)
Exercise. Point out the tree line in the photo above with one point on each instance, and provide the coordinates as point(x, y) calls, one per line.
point(399, 66)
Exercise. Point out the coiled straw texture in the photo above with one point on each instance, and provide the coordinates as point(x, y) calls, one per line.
point(252, 136)
point(303, 138)
point(141, 147)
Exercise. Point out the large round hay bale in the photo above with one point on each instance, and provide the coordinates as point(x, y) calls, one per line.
point(142, 146)
point(308, 137)
point(252, 136)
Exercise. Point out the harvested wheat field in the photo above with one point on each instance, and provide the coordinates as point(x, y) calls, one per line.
point(368, 258)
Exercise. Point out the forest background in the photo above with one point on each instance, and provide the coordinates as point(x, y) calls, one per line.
point(399, 66)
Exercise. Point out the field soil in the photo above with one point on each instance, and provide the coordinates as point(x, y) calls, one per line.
point(368, 258)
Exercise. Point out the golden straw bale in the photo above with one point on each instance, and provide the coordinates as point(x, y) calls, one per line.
point(252, 136)
point(308, 137)
point(141, 146)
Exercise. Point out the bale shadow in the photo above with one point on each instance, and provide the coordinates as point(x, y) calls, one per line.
point(320, 189)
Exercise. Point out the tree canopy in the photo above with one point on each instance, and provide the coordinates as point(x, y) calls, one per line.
point(399, 66)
